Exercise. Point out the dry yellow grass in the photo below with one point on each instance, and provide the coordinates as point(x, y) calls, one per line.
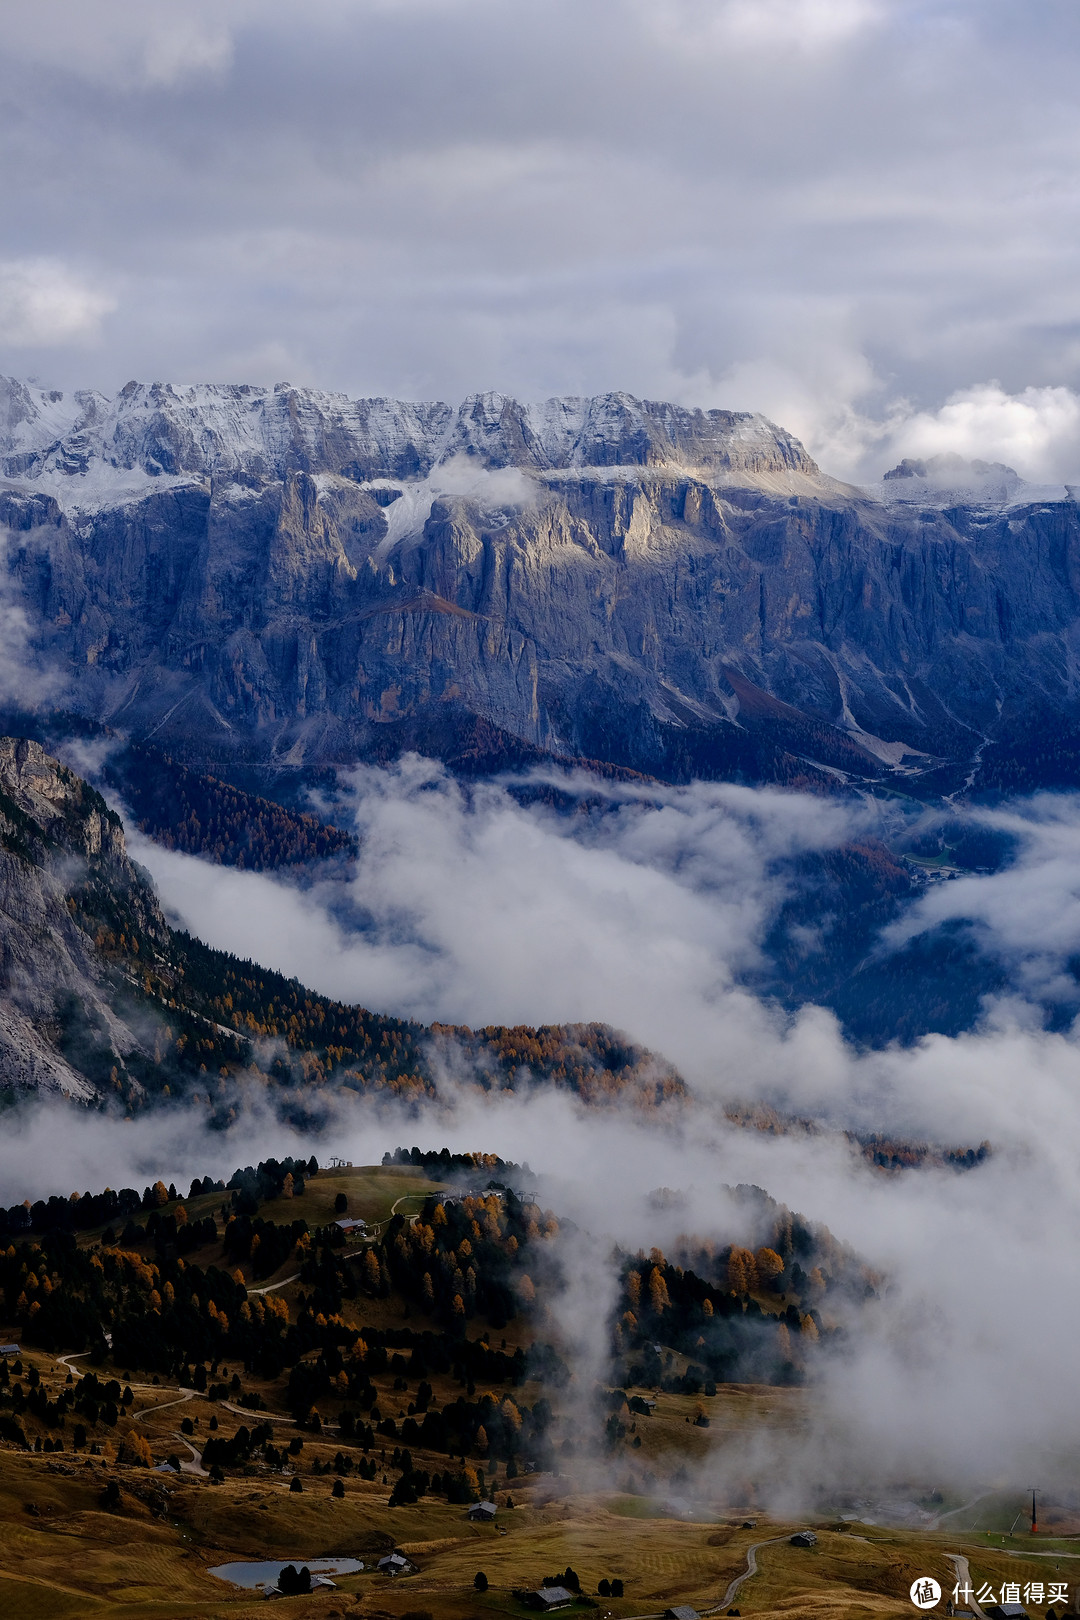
point(72, 1558)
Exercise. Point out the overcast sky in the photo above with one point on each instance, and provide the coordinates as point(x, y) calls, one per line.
point(856, 215)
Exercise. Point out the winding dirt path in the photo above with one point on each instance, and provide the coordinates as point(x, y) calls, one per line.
point(194, 1464)
point(751, 1569)
point(264, 1417)
point(65, 1361)
point(183, 1395)
point(269, 1289)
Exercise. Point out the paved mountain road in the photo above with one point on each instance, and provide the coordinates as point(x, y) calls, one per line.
point(963, 1577)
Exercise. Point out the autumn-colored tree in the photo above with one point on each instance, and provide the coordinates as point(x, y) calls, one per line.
point(658, 1294)
point(369, 1271)
point(135, 1449)
point(482, 1442)
point(633, 1289)
point(159, 1193)
point(741, 1271)
point(769, 1265)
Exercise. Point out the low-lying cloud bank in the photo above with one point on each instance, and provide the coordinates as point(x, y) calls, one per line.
point(929, 1388)
point(644, 911)
point(1028, 915)
point(468, 908)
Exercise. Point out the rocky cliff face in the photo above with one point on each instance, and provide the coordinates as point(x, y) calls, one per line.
point(66, 885)
point(282, 574)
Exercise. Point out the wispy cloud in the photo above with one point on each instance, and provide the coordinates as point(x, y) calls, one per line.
point(45, 304)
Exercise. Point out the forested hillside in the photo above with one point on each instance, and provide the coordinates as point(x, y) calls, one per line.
point(200, 814)
point(456, 1290)
point(322, 1042)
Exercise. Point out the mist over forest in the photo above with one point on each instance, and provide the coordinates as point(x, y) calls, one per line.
point(556, 899)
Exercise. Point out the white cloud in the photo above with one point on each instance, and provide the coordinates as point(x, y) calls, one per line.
point(475, 910)
point(1037, 431)
point(830, 397)
point(1028, 914)
point(45, 304)
point(492, 489)
point(815, 390)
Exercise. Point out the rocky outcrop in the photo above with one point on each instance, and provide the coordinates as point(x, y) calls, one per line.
point(282, 574)
point(66, 884)
point(102, 1003)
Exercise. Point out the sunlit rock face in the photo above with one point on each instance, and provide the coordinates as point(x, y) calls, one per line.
point(285, 574)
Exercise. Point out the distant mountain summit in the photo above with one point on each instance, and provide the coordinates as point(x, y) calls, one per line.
point(950, 468)
point(278, 579)
point(953, 479)
point(209, 430)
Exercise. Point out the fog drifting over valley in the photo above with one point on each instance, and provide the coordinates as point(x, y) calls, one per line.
point(857, 216)
point(465, 906)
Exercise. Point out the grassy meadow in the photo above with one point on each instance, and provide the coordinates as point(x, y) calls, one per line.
point(65, 1552)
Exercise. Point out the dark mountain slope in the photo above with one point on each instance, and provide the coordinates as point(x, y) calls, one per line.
point(100, 999)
